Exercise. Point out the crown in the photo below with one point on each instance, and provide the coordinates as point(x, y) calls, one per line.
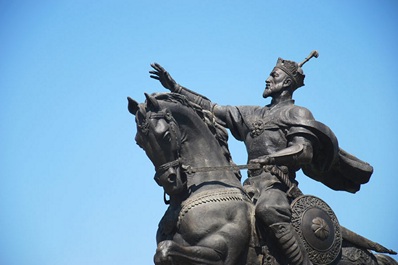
point(294, 70)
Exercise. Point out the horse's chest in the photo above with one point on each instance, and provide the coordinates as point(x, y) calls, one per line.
point(208, 212)
point(168, 224)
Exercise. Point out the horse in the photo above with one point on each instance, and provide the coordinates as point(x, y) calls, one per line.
point(210, 218)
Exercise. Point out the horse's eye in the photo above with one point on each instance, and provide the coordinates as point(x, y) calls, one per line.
point(167, 136)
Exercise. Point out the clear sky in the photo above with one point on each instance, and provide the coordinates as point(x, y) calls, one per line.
point(75, 189)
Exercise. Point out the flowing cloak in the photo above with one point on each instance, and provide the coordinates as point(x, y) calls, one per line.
point(330, 165)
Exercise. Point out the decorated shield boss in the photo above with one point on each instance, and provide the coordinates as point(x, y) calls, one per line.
point(318, 228)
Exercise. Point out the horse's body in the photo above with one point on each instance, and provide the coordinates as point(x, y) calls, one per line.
point(210, 219)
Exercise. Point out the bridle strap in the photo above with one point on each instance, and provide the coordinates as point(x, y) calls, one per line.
point(161, 170)
point(161, 115)
point(166, 166)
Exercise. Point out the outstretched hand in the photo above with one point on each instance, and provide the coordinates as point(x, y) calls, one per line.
point(163, 76)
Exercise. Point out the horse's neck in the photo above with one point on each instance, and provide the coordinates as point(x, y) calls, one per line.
point(202, 150)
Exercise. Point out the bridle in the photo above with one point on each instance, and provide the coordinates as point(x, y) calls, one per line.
point(168, 117)
point(162, 169)
point(165, 170)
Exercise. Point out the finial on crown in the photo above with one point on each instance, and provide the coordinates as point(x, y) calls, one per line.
point(312, 54)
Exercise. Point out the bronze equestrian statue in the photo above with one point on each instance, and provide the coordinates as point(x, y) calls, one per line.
point(280, 138)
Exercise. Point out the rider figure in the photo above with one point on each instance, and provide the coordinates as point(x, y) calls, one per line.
point(284, 138)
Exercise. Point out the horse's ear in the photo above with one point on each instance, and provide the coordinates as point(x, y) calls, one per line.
point(132, 106)
point(152, 102)
point(140, 115)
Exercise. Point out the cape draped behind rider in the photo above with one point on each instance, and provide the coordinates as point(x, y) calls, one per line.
point(330, 165)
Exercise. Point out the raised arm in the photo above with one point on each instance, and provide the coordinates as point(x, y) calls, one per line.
point(159, 73)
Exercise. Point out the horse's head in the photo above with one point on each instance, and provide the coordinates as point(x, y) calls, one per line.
point(176, 135)
point(159, 135)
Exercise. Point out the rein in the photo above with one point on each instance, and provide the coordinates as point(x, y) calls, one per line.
point(281, 172)
point(189, 169)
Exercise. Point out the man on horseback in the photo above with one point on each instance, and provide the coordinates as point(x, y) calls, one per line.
point(282, 138)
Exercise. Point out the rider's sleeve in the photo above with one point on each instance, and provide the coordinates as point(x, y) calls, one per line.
point(230, 117)
point(195, 97)
point(236, 119)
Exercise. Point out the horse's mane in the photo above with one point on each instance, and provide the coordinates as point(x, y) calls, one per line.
point(178, 99)
point(218, 131)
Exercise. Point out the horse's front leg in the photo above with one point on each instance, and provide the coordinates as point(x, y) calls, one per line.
point(169, 253)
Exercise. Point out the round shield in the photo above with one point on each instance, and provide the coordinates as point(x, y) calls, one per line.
point(317, 226)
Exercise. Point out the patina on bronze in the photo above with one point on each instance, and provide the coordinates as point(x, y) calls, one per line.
point(212, 218)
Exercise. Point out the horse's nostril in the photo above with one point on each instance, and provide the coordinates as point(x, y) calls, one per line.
point(172, 178)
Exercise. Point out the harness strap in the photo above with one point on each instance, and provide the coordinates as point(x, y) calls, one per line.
point(166, 166)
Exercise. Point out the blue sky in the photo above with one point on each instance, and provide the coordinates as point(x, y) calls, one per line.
point(75, 188)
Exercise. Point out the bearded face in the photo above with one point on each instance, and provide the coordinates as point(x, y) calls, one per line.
point(275, 83)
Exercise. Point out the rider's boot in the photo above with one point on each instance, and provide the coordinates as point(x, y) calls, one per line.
point(289, 243)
